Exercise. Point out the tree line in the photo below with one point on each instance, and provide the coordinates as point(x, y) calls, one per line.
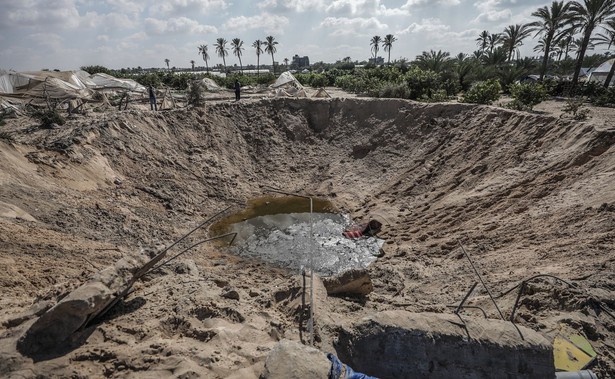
point(561, 28)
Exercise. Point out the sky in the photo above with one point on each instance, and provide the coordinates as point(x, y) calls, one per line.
point(68, 34)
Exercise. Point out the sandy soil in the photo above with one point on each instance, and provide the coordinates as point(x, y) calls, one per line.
point(526, 193)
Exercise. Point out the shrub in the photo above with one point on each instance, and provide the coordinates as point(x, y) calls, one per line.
point(439, 96)
point(48, 118)
point(422, 82)
point(485, 92)
point(394, 90)
point(575, 107)
point(606, 98)
point(527, 95)
point(318, 80)
point(195, 94)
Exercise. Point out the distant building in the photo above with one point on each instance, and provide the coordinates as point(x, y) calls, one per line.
point(300, 62)
point(377, 61)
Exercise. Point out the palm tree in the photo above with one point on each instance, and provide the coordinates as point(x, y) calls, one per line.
point(375, 44)
point(270, 48)
point(203, 53)
point(550, 21)
point(259, 50)
point(496, 57)
point(483, 41)
point(493, 40)
point(433, 60)
point(192, 63)
point(286, 63)
point(237, 46)
point(221, 50)
point(589, 15)
point(167, 61)
point(608, 38)
point(513, 38)
point(388, 43)
point(463, 66)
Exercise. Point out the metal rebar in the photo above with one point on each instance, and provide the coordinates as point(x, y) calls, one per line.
point(481, 279)
point(470, 307)
point(234, 234)
point(311, 258)
point(535, 277)
point(466, 297)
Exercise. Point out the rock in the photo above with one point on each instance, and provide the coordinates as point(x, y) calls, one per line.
point(186, 267)
point(35, 310)
point(351, 282)
point(400, 344)
point(71, 313)
point(292, 360)
point(230, 293)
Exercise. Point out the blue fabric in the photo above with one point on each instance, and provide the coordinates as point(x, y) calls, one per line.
point(337, 367)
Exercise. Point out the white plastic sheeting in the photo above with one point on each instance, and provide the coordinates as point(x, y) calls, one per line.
point(61, 85)
point(601, 72)
point(286, 79)
point(104, 81)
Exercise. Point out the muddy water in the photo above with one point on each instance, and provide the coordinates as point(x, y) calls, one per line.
point(282, 232)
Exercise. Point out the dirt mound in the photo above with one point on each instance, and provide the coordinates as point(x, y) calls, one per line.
point(526, 193)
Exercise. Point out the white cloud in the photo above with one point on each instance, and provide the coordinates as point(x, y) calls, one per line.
point(493, 16)
point(427, 25)
point(363, 7)
point(107, 21)
point(265, 21)
point(176, 25)
point(183, 7)
point(490, 11)
point(291, 5)
point(351, 26)
point(340, 8)
point(39, 14)
point(423, 3)
point(103, 38)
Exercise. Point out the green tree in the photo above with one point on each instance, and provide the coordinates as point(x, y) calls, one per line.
point(258, 45)
point(588, 16)
point(375, 44)
point(433, 60)
point(286, 63)
point(608, 38)
point(463, 65)
point(513, 38)
point(192, 63)
point(205, 55)
point(167, 61)
point(237, 46)
point(222, 50)
point(387, 44)
point(550, 21)
point(494, 40)
point(270, 48)
point(483, 41)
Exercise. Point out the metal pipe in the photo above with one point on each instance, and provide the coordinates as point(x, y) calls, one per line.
point(481, 279)
point(311, 258)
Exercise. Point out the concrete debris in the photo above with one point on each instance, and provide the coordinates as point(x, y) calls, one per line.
point(400, 344)
point(351, 282)
point(80, 306)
